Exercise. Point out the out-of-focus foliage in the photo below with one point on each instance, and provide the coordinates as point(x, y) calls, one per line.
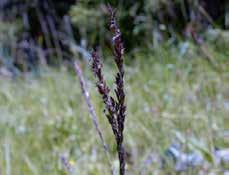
point(147, 22)
point(38, 37)
point(166, 93)
point(45, 26)
point(8, 40)
point(89, 22)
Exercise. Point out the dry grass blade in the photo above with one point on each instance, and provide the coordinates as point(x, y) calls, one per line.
point(92, 112)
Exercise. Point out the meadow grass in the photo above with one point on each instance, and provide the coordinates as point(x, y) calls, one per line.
point(45, 118)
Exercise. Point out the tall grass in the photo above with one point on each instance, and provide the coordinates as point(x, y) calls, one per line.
point(44, 119)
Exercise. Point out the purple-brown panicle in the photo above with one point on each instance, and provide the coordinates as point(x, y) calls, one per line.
point(115, 107)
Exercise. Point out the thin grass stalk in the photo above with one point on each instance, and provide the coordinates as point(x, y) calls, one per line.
point(85, 92)
point(92, 112)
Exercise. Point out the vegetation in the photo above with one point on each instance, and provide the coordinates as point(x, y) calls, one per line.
point(115, 108)
point(44, 120)
point(176, 87)
point(39, 35)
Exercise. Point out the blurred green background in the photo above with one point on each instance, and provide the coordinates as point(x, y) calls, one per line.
point(176, 62)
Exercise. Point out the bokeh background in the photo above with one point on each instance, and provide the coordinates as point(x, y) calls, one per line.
point(176, 63)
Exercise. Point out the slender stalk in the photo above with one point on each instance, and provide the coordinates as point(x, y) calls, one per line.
point(91, 109)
